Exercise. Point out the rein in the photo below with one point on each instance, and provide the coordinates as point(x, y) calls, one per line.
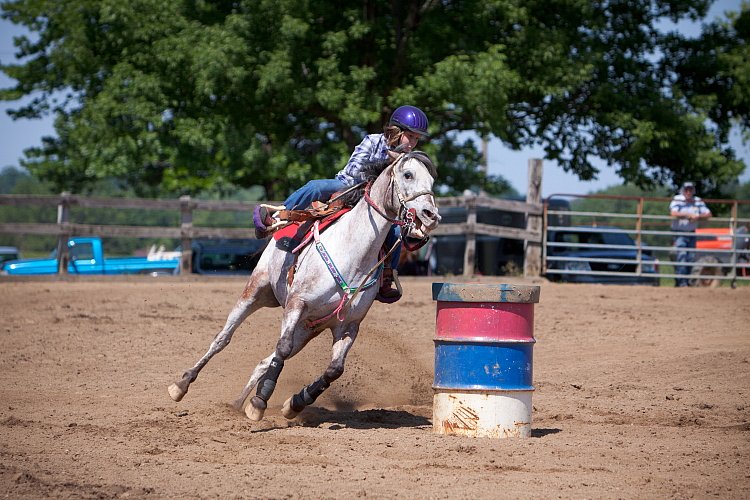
point(377, 209)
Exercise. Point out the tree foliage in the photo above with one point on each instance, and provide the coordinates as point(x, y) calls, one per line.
point(189, 95)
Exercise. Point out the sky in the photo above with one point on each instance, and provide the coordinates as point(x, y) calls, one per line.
point(16, 136)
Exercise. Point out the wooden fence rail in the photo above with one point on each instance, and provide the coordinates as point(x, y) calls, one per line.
point(64, 228)
point(186, 232)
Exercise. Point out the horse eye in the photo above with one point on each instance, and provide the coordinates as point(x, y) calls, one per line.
point(408, 176)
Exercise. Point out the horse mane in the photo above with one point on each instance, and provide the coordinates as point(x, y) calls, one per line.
point(371, 170)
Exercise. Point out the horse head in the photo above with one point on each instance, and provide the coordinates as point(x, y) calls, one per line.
point(411, 197)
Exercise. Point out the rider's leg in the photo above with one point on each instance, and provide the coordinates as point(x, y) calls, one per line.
point(393, 235)
point(319, 189)
point(315, 190)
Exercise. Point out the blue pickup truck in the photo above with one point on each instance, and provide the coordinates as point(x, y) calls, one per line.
point(589, 254)
point(86, 256)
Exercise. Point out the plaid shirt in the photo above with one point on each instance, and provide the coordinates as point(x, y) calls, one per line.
point(694, 207)
point(372, 149)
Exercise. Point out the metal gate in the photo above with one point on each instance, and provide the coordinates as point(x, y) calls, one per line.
point(627, 243)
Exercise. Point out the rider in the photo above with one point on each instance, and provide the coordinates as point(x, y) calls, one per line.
point(407, 125)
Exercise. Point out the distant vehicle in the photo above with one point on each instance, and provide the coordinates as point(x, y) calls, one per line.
point(86, 256)
point(8, 253)
point(587, 254)
point(227, 256)
point(720, 240)
point(494, 255)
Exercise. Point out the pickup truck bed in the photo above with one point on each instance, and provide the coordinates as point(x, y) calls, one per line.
point(87, 257)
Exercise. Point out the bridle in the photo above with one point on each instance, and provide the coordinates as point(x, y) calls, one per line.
point(405, 217)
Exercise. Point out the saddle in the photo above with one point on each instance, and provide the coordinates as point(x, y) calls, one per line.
point(294, 229)
point(297, 233)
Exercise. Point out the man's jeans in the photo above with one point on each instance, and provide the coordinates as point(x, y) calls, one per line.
point(682, 243)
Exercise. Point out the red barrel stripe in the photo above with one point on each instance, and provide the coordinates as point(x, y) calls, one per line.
point(485, 320)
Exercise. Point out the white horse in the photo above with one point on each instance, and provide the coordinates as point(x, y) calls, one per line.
point(319, 296)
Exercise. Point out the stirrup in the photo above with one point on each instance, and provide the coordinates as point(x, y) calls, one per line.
point(262, 227)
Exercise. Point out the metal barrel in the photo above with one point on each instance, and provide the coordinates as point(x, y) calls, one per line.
point(484, 339)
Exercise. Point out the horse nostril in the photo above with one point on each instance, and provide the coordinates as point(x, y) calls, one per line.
point(430, 215)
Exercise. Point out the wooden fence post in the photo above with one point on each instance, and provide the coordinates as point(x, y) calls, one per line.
point(471, 236)
point(186, 227)
point(63, 221)
point(533, 249)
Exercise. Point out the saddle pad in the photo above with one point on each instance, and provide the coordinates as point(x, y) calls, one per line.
point(289, 237)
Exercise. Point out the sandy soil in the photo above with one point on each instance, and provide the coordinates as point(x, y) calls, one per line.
point(640, 393)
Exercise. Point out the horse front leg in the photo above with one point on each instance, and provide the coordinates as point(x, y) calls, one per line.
point(266, 374)
point(252, 299)
point(343, 341)
point(258, 372)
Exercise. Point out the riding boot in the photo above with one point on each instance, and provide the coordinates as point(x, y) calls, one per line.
point(263, 220)
point(387, 293)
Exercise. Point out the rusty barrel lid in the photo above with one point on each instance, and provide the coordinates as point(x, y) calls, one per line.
point(481, 292)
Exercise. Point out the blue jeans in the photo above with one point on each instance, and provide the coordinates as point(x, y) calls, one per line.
point(393, 234)
point(682, 243)
point(316, 190)
point(321, 190)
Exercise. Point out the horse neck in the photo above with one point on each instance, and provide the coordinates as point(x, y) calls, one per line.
point(366, 224)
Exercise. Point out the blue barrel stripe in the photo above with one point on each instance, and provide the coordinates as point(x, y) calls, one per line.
point(503, 366)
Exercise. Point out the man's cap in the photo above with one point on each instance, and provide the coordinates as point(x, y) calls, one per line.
point(688, 185)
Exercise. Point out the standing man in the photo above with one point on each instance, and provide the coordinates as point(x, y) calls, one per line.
point(686, 210)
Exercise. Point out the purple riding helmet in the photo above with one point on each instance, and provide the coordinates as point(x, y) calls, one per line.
point(410, 118)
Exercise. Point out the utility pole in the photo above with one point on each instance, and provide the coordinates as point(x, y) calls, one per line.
point(485, 162)
point(485, 155)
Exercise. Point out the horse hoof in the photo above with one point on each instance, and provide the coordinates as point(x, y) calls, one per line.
point(253, 412)
point(287, 410)
point(176, 392)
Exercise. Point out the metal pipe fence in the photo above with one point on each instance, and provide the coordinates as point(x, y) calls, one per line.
point(722, 251)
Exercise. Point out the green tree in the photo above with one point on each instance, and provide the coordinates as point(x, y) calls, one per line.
point(711, 76)
point(9, 178)
point(16, 181)
point(183, 96)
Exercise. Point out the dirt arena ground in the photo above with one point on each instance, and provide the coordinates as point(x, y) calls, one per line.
point(640, 393)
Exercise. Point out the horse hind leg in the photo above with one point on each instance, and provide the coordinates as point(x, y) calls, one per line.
point(178, 389)
point(307, 396)
point(258, 372)
point(246, 305)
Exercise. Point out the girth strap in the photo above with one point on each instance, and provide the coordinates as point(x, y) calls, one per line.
point(349, 292)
